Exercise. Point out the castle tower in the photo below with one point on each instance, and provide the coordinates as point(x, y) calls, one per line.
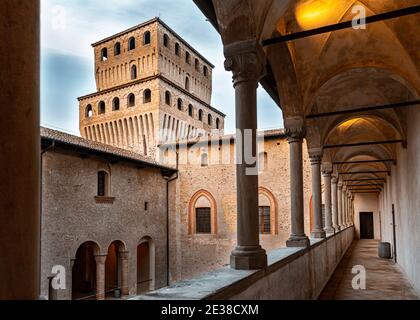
point(152, 87)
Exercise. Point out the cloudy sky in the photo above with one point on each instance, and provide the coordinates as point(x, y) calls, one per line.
point(69, 27)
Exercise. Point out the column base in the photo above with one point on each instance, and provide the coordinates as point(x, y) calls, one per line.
point(318, 234)
point(298, 241)
point(248, 258)
point(329, 230)
point(337, 229)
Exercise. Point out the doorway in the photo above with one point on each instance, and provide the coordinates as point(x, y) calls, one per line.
point(366, 225)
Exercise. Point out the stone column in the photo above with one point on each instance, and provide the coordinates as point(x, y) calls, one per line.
point(100, 276)
point(316, 157)
point(246, 61)
point(326, 173)
point(344, 204)
point(334, 190)
point(124, 255)
point(340, 204)
point(295, 132)
point(20, 150)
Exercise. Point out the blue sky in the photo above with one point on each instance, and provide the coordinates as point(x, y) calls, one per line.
point(69, 27)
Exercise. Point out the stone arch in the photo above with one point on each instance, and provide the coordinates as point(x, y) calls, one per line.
point(273, 209)
point(116, 272)
point(192, 214)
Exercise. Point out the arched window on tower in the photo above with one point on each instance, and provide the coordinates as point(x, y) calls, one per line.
point(210, 120)
point(147, 38)
point(187, 83)
point(147, 96)
point(205, 71)
point(177, 49)
point(103, 184)
point(117, 49)
point(131, 100)
point(166, 40)
point(197, 65)
point(168, 98)
point(200, 115)
point(89, 111)
point(180, 103)
point(116, 104)
point(190, 110)
point(104, 54)
point(187, 57)
point(133, 73)
point(131, 43)
point(217, 123)
point(102, 109)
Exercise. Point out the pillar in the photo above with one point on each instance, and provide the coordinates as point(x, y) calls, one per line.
point(295, 132)
point(326, 173)
point(344, 204)
point(246, 61)
point(20, 150)
point(124, 255)
point(334, 201)
point(100, 276)
point(340, 205)
point(316, 157)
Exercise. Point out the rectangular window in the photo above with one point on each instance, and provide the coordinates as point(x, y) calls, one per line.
point(102, 184)
point(264, 220)
point(203, 220)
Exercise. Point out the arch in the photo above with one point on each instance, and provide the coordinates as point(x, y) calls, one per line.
point(101, 107)
point(200, 115)
point(104, 54)
point(113, 267)
point(117, 49)
point(116, 104)
point(187, 83)
point(273, 209)
point(147, 38)
point(168, 98)
point(89, 111)
point(133, 72)
point(131, 100)
point(187, 57)
point(210, 120)
point(192, 212)
point(147, 96)
point(191, 110)
point(180, 104)
point(84, 271)
point(131, 43)
point(197, 64)
point(145, 265)
point(166, 40)
point(177, 49)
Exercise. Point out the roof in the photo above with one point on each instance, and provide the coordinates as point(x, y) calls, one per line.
point(86, 146)
point(151, 21)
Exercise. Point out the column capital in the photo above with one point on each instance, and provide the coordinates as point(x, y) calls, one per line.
point(100, 258)
point(315, 154)
point(246, 60)
point(295, 129)
point(334, 180)
point(124, 255)
point(327, 169)
point(340, 185)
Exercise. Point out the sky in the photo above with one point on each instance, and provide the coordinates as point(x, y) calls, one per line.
point(69, 27)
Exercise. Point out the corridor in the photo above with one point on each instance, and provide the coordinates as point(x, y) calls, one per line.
point(384, 279)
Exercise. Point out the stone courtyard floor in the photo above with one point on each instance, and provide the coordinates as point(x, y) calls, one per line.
point(384, 278)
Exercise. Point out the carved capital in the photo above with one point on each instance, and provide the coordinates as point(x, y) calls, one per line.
point(327, 169)
point(334, 180)
point(246, 60)
point(340, 185)
point(100, 258)
point(123, 255)
point(295, 129)
point(315, 154)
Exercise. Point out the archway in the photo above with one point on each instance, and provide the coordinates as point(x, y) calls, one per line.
point(145, 266)
point(84, 272)
point(113, 268)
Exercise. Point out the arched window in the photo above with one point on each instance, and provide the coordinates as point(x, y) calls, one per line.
point(217, 123)
point(133, 73)
point(147, 38)
point(117, 49)
point(267, 212)
point(200, 115)
point(197, 65)
point(204, 160)
point(210, 120)
point(131, 43)
point(103, 184)
point(202, 213)
point(131, 100)
point(147, 96)
point(187, 83)
point(205, 71)
point(190, 110)
point(168, 98)
point(89, 111)
point(116, 104)
point(102, 107)
point(180, 103)
point(177, 49)
point(187, 57)
point(104, 54)
point(166, 40)
point(264, 219)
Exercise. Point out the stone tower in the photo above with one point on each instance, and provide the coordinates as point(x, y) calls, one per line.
point(152, 87)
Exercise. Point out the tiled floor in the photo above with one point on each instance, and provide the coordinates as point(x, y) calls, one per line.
point(384, 278)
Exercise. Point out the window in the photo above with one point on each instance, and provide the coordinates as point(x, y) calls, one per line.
point(104, 54)
point(103, 184)
point(146, 38)
point(205, 71)
point(117, 49)
point(89, 111)
point(180, 103)
point(133, 73)
point(131, 43)
point(204, 160)
point(102, 107)
point(116, 104)
point(197, 65)
point(264, 220)
point(147, 96)
point(210, 120)
point(200, 115)
point(203, 220)
point(187, 57)
point(131, 100)
point(168, 98)
point(190, 110)
point(166, 40)
point(177, 49)
point(217, 123)
point(187, 84)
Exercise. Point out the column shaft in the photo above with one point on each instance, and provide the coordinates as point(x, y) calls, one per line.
point(340, 205)
point(124, 255)
point(335, 204)
point(100, 276)
point(328, 205)
point(318, 230)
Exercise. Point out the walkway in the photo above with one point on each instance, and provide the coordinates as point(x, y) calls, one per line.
point(384, 278)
